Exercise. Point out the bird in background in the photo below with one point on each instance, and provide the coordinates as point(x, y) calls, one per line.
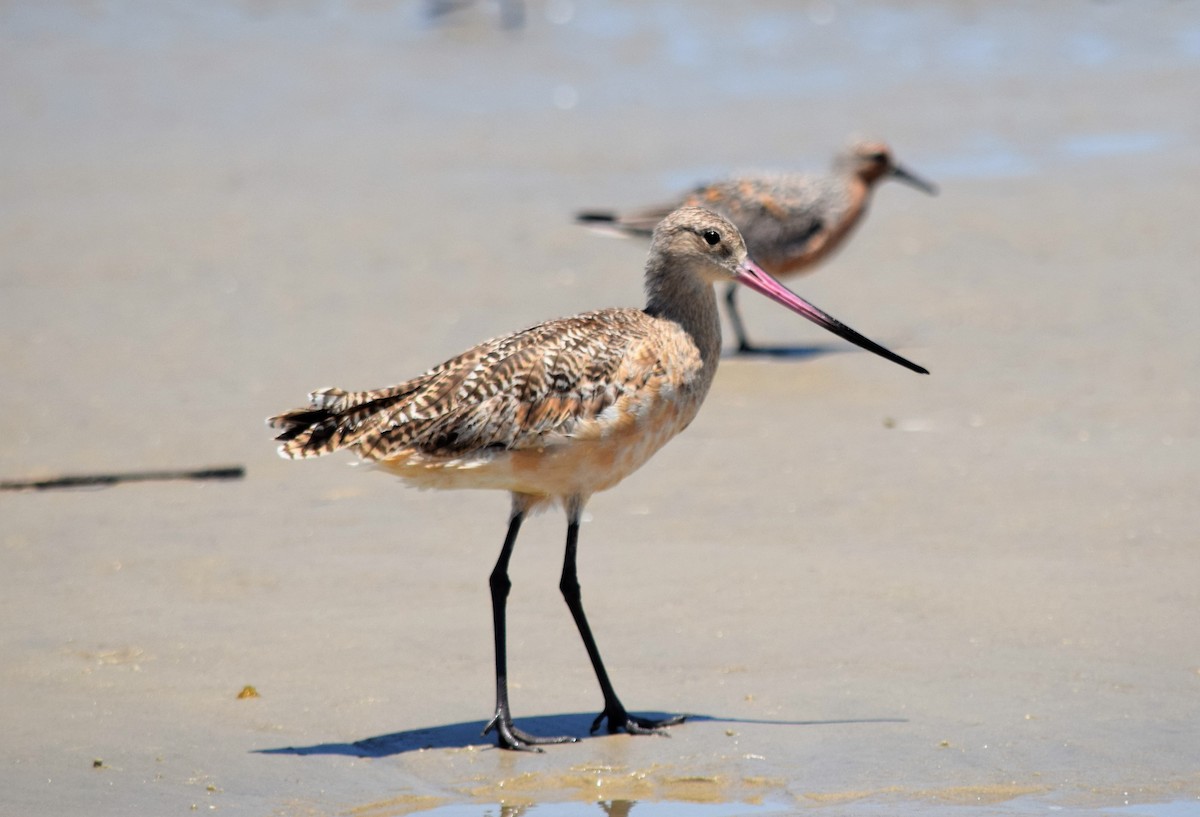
point(557, 412)
point(790, 222)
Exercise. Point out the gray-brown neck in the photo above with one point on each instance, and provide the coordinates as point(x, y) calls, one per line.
point(679, 294)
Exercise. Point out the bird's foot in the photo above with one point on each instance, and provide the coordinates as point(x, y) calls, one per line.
point(620, 720)
point(509, 736)
point(747, 348)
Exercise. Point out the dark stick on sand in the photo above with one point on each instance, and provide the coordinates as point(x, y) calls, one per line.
point(86, 480)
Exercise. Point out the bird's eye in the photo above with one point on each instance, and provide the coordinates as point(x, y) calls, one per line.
point(712, 237)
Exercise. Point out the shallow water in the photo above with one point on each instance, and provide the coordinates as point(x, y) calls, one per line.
point(1019, 807)
point(611, 808)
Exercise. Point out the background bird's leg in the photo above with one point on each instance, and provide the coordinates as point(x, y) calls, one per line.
point(618, 718)
point(735, 318)
point(507, 735)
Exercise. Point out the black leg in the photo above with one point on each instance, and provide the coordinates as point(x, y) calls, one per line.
point(735, 318)
point(507, 735)
point(618, 718)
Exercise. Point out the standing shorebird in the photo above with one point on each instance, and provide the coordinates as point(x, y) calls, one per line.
point(790, 222)
point(558, 412)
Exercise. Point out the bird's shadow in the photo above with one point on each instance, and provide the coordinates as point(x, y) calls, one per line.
point(470, 733)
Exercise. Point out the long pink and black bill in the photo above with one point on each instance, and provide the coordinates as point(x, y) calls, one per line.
point(753, 277)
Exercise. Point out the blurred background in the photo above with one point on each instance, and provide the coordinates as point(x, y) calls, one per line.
point(207, 200)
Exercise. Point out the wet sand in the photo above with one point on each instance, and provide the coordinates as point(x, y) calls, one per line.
point(878, 593)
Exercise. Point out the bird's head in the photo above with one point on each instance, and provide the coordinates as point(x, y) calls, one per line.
point(695, 241)
point(872, 161)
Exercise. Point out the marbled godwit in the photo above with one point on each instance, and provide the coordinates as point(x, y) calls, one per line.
point(790, 222)
point(558, 412)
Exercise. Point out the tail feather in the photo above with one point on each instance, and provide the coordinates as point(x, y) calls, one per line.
point(333, 420)
point(596, 216)
point(611, 223)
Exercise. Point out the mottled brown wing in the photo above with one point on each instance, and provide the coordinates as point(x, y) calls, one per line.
point(511, 392)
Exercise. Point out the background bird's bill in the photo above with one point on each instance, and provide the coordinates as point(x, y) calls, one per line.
point(914, 180)
point(750, 275)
